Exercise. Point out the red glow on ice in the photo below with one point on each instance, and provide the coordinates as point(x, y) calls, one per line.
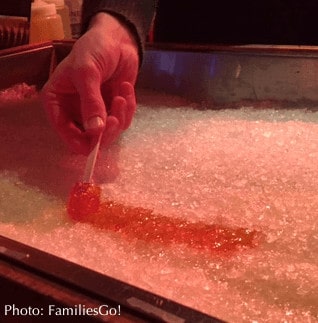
point(140, 223)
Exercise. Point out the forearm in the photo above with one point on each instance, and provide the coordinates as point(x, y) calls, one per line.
point(136, 15)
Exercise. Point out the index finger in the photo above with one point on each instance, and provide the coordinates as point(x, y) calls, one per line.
point(93, 110)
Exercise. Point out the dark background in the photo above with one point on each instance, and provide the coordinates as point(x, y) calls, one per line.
point(237, 22)
point(19, 8)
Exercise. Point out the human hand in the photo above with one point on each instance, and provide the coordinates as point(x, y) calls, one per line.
point(92, 89)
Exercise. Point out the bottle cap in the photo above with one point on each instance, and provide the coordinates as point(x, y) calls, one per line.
point(58, 3)
point(41, 8)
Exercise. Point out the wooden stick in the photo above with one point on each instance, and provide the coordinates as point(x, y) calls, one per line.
point(91, 161)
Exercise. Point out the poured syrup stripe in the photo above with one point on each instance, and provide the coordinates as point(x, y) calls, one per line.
point(85, 205)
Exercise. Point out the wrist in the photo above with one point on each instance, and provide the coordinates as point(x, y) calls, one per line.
point(111, 26)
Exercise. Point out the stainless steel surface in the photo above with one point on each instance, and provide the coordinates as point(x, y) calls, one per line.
point(212, 75)
point(227, 75)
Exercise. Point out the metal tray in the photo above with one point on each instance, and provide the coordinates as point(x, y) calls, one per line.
point(219, 75)
point(213, 75)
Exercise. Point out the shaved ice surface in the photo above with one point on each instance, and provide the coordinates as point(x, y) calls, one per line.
point(243, 168)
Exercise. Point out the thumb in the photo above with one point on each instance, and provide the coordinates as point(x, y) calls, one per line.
point(93, 109)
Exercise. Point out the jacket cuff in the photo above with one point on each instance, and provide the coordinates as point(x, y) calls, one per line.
point(137, 15)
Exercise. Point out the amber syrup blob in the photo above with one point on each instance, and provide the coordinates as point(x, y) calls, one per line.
point(84, 200)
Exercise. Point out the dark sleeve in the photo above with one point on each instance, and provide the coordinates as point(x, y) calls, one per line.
point(137, 15)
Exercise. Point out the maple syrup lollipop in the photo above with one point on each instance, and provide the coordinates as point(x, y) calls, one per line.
point(84, 198)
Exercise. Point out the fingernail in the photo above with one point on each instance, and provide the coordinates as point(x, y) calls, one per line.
point(94, 123)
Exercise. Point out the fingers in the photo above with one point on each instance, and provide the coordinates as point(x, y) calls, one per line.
point(79, 117)
point(122, 110)
point(124, 105)
point(62, 105)
point(93, 111)
point(68, 131)
point(127, 91)
point(112, 131)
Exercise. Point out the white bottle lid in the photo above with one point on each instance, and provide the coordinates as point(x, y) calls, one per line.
point(58, 3)
point(41, 8)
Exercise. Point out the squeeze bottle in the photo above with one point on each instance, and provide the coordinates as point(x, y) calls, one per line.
point(45, 24)
point(63, 10)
